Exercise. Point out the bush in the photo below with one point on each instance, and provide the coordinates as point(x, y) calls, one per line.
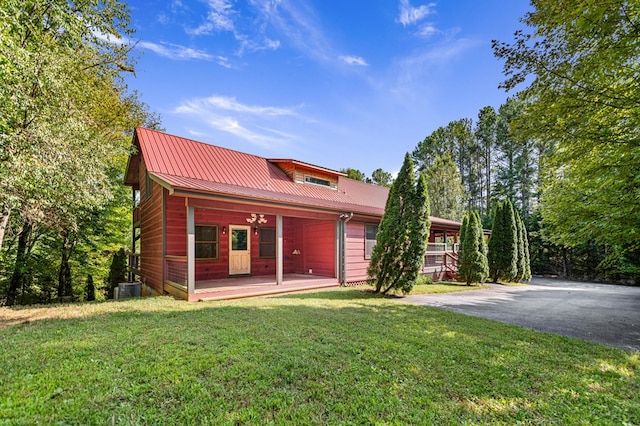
point(424, 279)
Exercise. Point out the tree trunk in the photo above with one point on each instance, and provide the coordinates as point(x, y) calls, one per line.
point(19, 267)
point(4, 221)
point(64, 273)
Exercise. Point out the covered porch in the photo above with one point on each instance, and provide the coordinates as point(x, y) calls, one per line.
point(236, 288)
point(219, 251)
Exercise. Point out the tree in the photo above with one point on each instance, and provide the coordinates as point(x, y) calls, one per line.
point(521, 259)
point(381, 178)
point(472, 259)
point(65, 118)
point(524, 265)
point(90, 289)
point(580, 61)
point(354, 174)
point(446, 193)
point(503, 247)
point(117, 272)
point(485, 134)
point(402, 234)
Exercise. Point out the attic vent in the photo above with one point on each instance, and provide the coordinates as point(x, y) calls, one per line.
point(316, 181)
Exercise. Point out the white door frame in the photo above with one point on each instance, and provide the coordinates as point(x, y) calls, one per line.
point(245, 268)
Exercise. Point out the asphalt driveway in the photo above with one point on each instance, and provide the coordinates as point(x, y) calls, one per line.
point(600, 313)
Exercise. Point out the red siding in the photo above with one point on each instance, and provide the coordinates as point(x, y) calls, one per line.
point(210, 270)
point(151, 261)
point(356, 263)
point(319, 247)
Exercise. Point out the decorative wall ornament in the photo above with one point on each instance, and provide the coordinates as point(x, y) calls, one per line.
point(256, 218)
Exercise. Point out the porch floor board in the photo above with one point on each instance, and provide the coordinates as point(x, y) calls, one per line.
point(241, 287)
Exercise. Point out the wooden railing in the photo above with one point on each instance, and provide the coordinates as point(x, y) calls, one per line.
point(175, 269)
point(134, 266)
point(441, 258)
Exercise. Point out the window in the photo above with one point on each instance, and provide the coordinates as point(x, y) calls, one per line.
point(314, 180)
point(370, 233)
point(207, 242)
point(148, 185)
point(267, 243)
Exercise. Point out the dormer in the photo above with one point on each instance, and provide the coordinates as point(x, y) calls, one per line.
point(308, 174)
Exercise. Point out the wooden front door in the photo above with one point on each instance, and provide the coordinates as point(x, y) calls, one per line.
point(239, 250)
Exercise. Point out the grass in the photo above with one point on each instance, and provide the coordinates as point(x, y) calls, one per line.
point(330, 357)
point(443, 287)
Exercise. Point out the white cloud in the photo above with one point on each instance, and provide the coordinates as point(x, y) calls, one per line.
point(354, 60)
point(231, 104)
point(427, 30)
point(259, 125)
point(175, 51)
point(219, 18)
point(410, 15)
point(168, 50)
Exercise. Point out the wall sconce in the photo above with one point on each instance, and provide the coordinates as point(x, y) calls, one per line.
point(255, 230)
point(224, 230)
point(295, 251)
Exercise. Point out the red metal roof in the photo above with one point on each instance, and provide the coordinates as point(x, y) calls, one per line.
point(185, 165)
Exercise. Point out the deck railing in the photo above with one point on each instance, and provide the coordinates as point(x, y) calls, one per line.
point(175, 269)
point(439, 257)
point(134, 266)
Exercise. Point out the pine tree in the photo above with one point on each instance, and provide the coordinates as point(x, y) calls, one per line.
point(401, 234)
point(90, 291)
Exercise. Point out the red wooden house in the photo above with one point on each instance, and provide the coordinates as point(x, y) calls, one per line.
point(209, 217)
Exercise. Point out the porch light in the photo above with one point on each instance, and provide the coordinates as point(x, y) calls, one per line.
point(255, 230)
point(224, 230)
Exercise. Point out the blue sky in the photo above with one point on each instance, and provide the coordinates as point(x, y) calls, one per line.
point(350, 83)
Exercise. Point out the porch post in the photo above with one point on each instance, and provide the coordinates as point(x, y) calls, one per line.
point(191, 251)
point(279, 250)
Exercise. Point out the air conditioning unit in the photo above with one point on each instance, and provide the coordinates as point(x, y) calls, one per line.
point(129, 290)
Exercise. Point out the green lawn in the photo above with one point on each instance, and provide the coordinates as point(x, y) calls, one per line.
point(330, 357)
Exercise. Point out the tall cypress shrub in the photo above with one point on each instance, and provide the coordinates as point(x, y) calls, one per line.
point(520, 249)
point(503, 245)
point(495, 242)
point(483, 265)
point(117, 272)
point(472, 261)
point(401, 240)
point(90, 289)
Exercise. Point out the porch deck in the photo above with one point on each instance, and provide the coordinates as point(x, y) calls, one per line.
point(241, 287)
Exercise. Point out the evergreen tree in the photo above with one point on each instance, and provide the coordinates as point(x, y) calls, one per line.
point(472, 260)
point(401, 239)
point(503, 247)
point(117, 272)
point(90, 289)
point(527, 258)
point(419, 223)
point(521, 261)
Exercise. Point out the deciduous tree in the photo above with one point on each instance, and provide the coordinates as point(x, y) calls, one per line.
point(580, 64)
point(446, 193)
